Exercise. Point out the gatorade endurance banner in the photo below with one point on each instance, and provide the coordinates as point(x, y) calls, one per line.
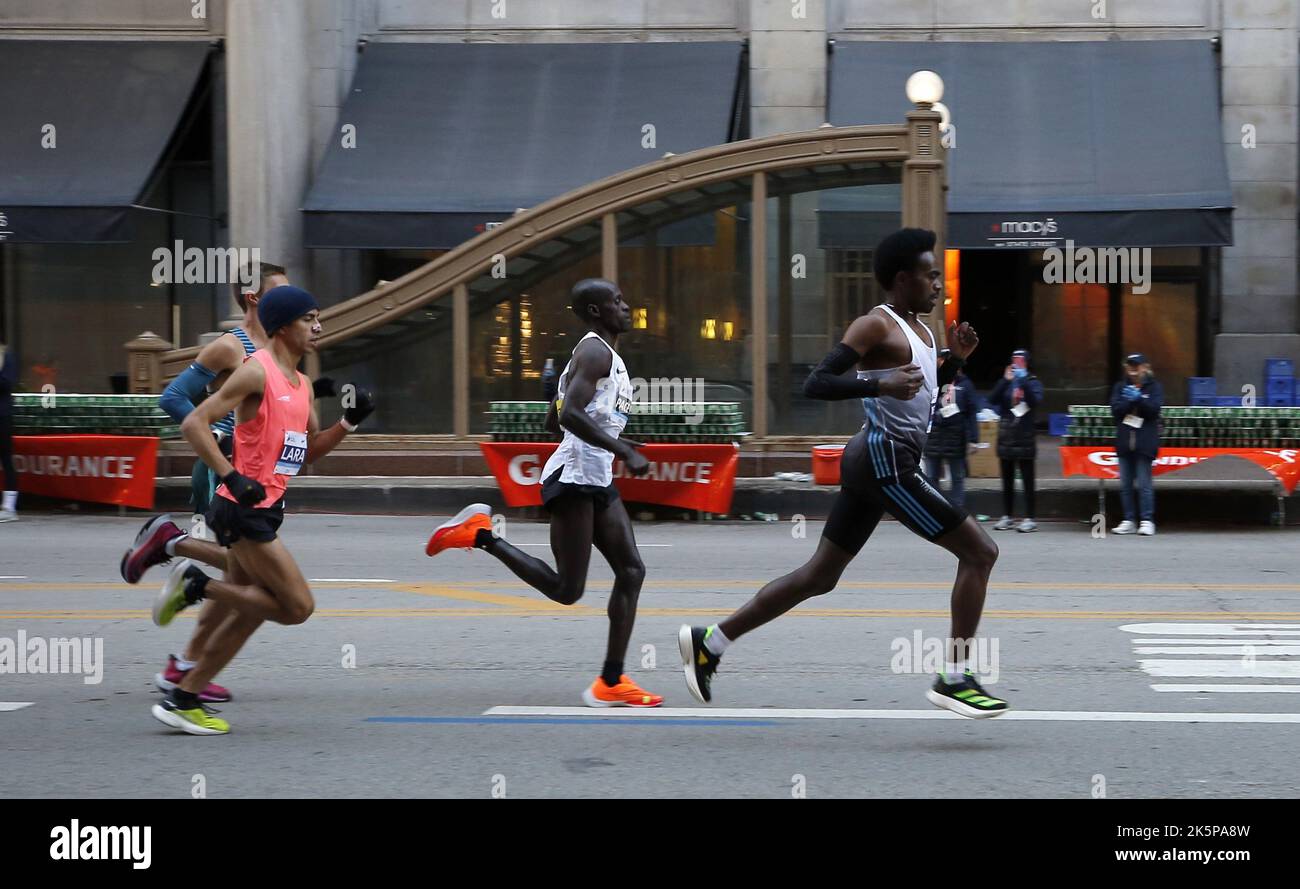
point(96, 468)
point(1101, 462)
point(692, 476)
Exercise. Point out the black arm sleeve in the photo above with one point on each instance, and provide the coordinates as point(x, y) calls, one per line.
point(948, 370)
point(827, 384)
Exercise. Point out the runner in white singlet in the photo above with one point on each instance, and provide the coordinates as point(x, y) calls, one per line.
point(578, 491)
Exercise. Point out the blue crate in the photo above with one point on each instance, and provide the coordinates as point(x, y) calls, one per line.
point(1278, 400)
point(1201, 386)
point(1227, 401)
point(1205, 400)
point(1283, 387)
point(1057, 423)
point(1279, 367)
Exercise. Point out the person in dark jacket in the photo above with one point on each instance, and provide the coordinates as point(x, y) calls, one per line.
point(8, 383)
point(954, 431)
point(1016, 398)
point(1135, 403)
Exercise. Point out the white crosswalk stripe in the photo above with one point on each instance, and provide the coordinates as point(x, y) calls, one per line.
point(1220, 651)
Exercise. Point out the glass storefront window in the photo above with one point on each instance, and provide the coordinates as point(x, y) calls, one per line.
point(820, 253)
point(1162, 325)
point(687, 280)
point(517, 322)
point(1070, 346)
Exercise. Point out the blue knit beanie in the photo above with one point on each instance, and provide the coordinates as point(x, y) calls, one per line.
point(283, 305)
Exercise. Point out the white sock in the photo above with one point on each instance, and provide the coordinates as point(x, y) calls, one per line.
point(953, 671)
point(10, 502)
point(170, 546)
point(183, 665)
point(716, 641)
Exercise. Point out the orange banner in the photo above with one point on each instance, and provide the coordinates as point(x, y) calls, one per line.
point(1101, 462)
point(692, 476)
point(95, 468)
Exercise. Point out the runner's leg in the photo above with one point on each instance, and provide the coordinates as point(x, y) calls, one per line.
point(571, 538)
point(614, 538)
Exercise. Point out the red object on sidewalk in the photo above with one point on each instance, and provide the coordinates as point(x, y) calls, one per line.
point(826, 464)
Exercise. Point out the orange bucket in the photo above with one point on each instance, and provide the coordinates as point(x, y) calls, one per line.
point(826, 464)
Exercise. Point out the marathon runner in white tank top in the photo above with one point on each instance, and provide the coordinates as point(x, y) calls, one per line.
point(578, 491)
point(905, 421)
point(896, 379)
point(581, 463)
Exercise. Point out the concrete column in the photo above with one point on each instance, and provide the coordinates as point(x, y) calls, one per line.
point(269, 60)
point(787, 65)
point(1259, 280)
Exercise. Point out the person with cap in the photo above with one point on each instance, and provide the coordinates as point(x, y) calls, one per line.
point(954, 432)
point(276, 432)
point(1016, 398)
point(1135, 403)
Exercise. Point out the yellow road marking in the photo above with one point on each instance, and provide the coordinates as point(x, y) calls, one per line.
point(589, 611)
point(707, 584)
point(534, 602)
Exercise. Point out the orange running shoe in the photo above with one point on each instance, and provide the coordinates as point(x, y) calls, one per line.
point(459, 531)
point(626, 694)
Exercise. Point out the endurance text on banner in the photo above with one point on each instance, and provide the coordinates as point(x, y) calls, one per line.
point(95, 468)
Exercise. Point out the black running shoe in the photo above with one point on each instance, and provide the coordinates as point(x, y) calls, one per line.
point(965, 698)
point(698, 662)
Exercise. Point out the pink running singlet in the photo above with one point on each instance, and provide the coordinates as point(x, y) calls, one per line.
point(272, 446)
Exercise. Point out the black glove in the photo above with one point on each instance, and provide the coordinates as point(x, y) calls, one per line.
point(245, 490)
point(323, 388)
point(363, 406)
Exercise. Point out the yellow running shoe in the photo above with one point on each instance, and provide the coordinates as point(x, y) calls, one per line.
point(459, 532)
point(626, 694)
point(196, 721)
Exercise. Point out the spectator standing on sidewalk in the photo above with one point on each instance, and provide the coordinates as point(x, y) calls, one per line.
point(1016, 398)
point(1135, 403)
point(954, 432)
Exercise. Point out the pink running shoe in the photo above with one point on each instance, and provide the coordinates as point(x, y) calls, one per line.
point(149, 548)
point(171, 677)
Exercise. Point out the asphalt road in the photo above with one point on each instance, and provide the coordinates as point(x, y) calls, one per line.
point(1101, 646)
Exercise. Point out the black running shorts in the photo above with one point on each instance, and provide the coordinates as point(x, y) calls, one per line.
point(879, 475)
point(231, 522)
point(553, 489)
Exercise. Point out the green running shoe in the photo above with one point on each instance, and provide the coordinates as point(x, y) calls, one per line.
point(965, 698)
point(698, 662)
point(184, 587)
point(196, 721)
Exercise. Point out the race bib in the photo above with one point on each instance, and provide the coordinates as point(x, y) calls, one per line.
point(1020, 410)
point(292, 454)
point(948, 410)
point(1133, 420)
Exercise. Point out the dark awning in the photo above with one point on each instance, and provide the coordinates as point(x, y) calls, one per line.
point(1106, 143)
point(112, 106)
point(452, 137)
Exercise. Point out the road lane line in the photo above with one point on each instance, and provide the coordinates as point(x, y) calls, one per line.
point(778, 713)
point(1232, 689)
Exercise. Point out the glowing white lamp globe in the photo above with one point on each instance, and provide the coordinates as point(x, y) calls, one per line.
point(924, 88)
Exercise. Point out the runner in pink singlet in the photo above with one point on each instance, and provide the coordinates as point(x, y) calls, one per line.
point(276, 432)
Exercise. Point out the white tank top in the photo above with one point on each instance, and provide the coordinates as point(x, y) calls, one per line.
point(583, 463)
point(906, 421)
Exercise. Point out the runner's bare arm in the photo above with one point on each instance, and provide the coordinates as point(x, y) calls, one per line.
point(321, 443)
point(248, 381)
point(590, 364)
point(552, 424)
point(828, 383)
